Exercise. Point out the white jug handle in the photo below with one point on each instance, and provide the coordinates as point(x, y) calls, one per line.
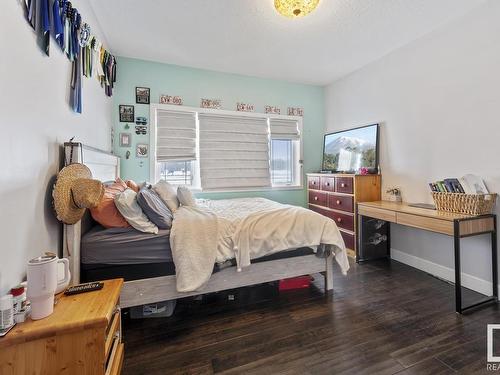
point(67, 275)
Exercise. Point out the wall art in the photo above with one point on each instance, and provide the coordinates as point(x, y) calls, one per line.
point(245, 107)
point(141, 120)
point(169, 99)
point(295, 111)
point(125, 139)
point(272, 109)
point(211, 103)
point(141, 129)
point(142, 95)
point(141, 150)
point(126, 113)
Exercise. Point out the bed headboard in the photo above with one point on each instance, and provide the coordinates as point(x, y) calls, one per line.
point(104, 167)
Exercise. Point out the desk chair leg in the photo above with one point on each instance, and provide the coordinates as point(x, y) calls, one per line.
point(494, 259)
point(458, 276)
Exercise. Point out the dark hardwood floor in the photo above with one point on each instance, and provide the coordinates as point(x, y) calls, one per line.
point(383, 318)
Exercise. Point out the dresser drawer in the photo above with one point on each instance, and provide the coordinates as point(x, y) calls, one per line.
point(342, 220)
point(344, 185)
point(341, 202)
point(328, 183)
point(313, 182)
point(348, 239)
point(113, 331)
point(317, 197)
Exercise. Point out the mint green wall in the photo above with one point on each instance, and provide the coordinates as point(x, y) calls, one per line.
point(194, 84)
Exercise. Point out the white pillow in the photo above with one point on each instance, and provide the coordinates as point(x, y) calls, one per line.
point(167, 194)
point(186, 198)
point(126, 203)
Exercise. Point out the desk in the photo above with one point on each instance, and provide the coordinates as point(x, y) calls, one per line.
point(451, 224)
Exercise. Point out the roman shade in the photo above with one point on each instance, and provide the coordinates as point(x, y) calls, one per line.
point(234, 152)
point(175, 135)
point(284, 129)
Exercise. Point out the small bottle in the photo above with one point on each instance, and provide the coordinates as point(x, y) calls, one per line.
point(6, 311)
point(18, 297)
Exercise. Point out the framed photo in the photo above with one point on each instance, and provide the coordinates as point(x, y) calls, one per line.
point(141, 150)
point(275, 110)
point(142, 95)
point(125, 139)
point(126, 113)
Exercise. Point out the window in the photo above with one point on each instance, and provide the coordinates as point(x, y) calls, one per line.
point(282, 162)
point(216, 150)
point(177, 172)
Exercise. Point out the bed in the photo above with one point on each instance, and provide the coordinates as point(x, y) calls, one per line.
point(150, 274)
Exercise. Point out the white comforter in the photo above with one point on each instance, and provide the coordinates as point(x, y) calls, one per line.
point(246, 228)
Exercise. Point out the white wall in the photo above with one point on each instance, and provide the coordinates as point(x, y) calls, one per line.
point(35, 120)
point(438, 100)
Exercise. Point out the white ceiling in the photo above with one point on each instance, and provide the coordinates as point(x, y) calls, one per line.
point(249, 37)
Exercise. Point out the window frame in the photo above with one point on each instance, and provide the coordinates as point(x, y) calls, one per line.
point(299, 155)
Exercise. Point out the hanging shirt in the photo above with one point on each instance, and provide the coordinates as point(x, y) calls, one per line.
point(30, 11)
point(57, 23)
point(76, 86)
point(45, 26)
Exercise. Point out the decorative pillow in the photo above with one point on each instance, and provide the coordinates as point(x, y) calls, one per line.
point(126, 203)
point(106, 213)
point(131, 184)
point(167, 194)
point(154, 208)
point(186, 198)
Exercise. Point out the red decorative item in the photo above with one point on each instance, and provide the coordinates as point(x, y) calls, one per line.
point(363, 170)
point(300, 282)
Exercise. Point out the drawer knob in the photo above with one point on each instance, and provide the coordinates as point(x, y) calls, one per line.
point(327, 184)
point(339, 220)
point(342, 185)
point(314, 182)
point(338, 202)
point(315, 198)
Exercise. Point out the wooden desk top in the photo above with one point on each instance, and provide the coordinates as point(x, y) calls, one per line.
point(71, 313)
point(405, 208)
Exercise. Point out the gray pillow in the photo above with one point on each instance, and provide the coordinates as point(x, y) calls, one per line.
point(154, 208)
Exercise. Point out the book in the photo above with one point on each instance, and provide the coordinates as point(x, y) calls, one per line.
point(475, 184)
point(454, 185)
point(441, 186)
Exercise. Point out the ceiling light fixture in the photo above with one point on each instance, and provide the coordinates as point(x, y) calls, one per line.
point(295, 8)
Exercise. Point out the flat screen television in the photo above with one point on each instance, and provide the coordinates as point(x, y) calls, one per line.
point(349, 150)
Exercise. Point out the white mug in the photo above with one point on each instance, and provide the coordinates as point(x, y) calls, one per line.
point(43, 283)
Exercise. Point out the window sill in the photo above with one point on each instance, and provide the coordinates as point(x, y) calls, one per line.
point(243, 190)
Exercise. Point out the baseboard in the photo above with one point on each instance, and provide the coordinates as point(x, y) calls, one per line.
point(448, 274)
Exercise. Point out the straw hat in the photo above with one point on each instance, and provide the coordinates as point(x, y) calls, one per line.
point(74, 191)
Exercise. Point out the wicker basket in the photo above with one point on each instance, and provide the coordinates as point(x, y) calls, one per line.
point(470, 204)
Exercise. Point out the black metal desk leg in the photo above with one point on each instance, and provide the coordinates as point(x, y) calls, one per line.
point(494, 259)
point(458, 282)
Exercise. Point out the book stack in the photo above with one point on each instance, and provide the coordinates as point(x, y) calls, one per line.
point(468, 184)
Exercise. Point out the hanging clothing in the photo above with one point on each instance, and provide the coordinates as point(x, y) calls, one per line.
point(45, 25)
point(76, 86)
point(30, 12)
point(57, 22)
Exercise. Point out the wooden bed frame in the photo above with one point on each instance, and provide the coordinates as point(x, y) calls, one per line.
point(106, 167)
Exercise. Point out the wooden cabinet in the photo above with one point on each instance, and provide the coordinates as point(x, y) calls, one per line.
point(336, 195)
point(82, 336)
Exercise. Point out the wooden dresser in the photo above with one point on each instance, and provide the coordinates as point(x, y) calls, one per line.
point(336, 195)
point(82, 336)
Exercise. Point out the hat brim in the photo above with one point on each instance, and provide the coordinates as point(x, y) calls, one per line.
point(65, 207)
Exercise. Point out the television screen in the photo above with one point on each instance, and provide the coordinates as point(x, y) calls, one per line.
point(349, 150)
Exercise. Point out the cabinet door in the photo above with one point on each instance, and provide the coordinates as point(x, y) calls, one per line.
point(344, 185)
point(318, 197)
point(313, 182)
point(341, 202)
point(328, 183)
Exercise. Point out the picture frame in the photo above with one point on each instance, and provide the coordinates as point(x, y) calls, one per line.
point(141, 150)
point(125, 139)
point(142, 95)
point(126, 113)
point(295, 111)
point(245, 107)
point(272, 109)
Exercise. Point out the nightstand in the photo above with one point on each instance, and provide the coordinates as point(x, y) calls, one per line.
point(82, 336)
